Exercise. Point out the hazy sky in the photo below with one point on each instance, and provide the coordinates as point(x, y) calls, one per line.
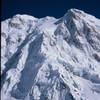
point(42, 8)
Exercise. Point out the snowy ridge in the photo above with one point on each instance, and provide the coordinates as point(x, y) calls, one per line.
point(49, 58)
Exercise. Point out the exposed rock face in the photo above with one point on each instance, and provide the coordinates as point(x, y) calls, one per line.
point(51, 59)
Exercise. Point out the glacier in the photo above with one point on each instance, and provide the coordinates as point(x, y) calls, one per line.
point(50, 59)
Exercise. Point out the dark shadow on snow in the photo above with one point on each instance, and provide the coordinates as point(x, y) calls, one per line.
point(33, 63)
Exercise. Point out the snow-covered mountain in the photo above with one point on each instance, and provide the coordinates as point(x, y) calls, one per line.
point(49, 58)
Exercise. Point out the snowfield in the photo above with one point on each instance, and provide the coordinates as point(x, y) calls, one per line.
point(49, 58)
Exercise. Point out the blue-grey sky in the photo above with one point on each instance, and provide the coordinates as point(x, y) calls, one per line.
point(42, 8)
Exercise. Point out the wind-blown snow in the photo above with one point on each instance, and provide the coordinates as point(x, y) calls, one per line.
point(49, 58)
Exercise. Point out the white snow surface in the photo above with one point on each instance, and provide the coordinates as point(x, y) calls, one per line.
point(49, 58)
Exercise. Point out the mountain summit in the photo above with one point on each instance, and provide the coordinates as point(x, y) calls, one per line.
point(49, 58)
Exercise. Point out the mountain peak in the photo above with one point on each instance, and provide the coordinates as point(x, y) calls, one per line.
point(75, 13)
point(73, 10)
point(42, 60)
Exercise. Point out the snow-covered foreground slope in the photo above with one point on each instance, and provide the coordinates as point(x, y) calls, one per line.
point(51, 59)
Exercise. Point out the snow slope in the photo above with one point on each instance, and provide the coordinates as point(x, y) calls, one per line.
point(49, 58)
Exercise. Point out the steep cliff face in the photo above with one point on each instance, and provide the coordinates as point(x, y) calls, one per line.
point(51, 59)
